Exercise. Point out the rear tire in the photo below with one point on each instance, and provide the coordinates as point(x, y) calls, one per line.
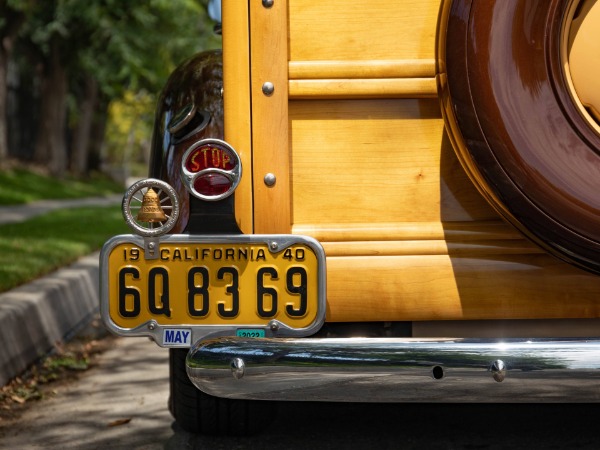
point(198, 412)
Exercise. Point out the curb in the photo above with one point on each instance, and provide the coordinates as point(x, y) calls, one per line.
point(38, 315)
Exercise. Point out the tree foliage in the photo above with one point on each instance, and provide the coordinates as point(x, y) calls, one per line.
point(86, 54)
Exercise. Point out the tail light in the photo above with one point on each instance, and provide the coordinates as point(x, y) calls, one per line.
point(211, 169)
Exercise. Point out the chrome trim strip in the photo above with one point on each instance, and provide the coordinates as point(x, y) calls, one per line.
point(398, 370)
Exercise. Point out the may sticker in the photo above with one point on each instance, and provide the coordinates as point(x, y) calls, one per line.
point(177, 336)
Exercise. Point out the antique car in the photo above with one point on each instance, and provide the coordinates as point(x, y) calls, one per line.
point(393, 201)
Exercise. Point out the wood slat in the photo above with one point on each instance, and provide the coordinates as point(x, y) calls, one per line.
point(363, 88)
point(496, 230)
point(362, 69)
point(270, 142)
point(431, 247)
point(236, 98)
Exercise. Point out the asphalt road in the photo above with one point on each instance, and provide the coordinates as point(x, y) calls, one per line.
point(121, 404)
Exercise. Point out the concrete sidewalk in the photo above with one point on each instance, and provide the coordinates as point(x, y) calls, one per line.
point(36, 316)
point(19, 213)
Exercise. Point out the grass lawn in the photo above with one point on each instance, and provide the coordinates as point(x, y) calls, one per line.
point(42, 244)
point(22, 186)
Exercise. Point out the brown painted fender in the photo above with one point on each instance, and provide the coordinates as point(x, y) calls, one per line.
point(190, 108)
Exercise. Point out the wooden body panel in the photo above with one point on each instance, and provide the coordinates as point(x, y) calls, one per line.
point(355, 29)
point(375, 161)
point(443, 287)
point(355, 136)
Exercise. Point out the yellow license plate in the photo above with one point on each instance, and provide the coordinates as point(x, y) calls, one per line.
point(241, 282)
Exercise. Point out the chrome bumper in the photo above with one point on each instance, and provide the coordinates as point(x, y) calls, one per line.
point(397, 370)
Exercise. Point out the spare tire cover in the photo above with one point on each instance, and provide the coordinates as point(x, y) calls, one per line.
point(515, 125)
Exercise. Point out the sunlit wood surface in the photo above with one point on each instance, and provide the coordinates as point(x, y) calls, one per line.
point(354, 134)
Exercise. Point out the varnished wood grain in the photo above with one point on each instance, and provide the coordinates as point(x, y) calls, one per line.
point(365, 88)
point(362, 69)
point(441, 287)
point(236, 98)
point(270, 146)
point(469, 231)
point(366, 161)
point(355, 29)
point(365, 165)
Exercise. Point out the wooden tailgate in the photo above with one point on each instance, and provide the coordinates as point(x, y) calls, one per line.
point(353, 133)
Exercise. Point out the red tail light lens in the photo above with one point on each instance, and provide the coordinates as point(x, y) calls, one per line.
point(212, 184)
point(211, 169)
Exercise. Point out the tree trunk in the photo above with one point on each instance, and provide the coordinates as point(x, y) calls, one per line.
point(80, 144)
point(3, 103)
point(97, 134)
point(50, 147)
point(14, 20)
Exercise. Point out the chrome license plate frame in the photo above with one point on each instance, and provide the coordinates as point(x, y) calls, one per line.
point(118, 286)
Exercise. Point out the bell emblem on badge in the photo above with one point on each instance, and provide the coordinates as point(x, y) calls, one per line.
point(151, 210)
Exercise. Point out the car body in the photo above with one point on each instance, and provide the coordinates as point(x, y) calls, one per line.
point(441, 165)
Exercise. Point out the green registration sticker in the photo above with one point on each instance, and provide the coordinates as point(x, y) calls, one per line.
point(250, 333)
